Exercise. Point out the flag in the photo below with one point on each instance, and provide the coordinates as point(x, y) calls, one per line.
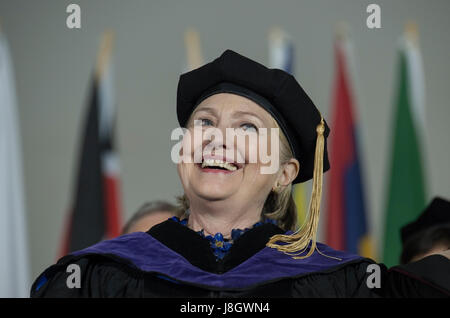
point(281, 56)
point(346, 223)
point(14, 266)
point(96, 209)
point(405, 197)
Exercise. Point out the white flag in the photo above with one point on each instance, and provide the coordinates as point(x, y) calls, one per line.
point(14, 267)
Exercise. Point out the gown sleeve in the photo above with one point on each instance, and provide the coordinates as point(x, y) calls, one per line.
point(98, 278)
point(429, 277)
point(106, 277)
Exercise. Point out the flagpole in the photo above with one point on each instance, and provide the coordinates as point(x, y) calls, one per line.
point(193, 50)
point(104, 53)
point(411, 32)
point(276, 35)
point(342, 30)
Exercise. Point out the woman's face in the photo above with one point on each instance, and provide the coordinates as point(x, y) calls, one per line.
point(240, 178)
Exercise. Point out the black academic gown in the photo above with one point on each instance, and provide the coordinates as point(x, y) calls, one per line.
point(170, 260)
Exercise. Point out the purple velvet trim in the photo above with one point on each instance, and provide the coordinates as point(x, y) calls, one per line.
point(149, 255)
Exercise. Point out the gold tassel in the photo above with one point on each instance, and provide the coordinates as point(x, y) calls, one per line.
point(298, 242)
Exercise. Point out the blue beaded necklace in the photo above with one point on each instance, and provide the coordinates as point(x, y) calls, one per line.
point(219, 245)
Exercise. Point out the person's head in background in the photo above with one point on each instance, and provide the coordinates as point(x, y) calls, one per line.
point(150, 214)
point(427, 235)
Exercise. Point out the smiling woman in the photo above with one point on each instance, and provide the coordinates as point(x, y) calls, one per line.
point(226, 176)
point(236, 239)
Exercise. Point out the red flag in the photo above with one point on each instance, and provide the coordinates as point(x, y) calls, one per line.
point(346, 227)
point(96, 209)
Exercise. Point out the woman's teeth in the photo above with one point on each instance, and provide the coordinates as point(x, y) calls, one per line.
point(218, 163)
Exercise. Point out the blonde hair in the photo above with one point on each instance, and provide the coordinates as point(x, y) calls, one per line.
point(304, 239)
point(279, 205)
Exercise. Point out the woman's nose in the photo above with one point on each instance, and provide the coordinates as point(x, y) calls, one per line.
point(214, 139)
point(219, 138)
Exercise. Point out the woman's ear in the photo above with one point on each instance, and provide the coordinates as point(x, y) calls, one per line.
point(289, 172)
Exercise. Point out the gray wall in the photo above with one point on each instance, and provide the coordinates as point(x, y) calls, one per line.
point(53, 65)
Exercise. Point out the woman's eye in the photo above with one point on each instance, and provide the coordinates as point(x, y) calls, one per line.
point(204, 122)
point(247, 127)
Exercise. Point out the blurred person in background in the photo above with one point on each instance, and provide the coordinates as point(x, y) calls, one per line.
point(428, 234)
point(150, 214)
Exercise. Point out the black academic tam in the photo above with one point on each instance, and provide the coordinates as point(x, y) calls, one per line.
point(275, 90)
point(171, 260)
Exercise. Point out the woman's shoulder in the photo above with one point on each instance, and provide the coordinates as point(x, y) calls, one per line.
point(364, 277)
point(86, 276)
point(96, 271)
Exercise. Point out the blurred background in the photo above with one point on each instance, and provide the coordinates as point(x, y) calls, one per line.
point(53, 67)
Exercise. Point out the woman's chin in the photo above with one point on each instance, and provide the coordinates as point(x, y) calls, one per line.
point(215, 192)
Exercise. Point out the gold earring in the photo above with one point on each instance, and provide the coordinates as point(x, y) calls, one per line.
point(276, 187)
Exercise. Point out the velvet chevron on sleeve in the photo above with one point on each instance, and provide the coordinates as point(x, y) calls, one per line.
point(171, 260)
